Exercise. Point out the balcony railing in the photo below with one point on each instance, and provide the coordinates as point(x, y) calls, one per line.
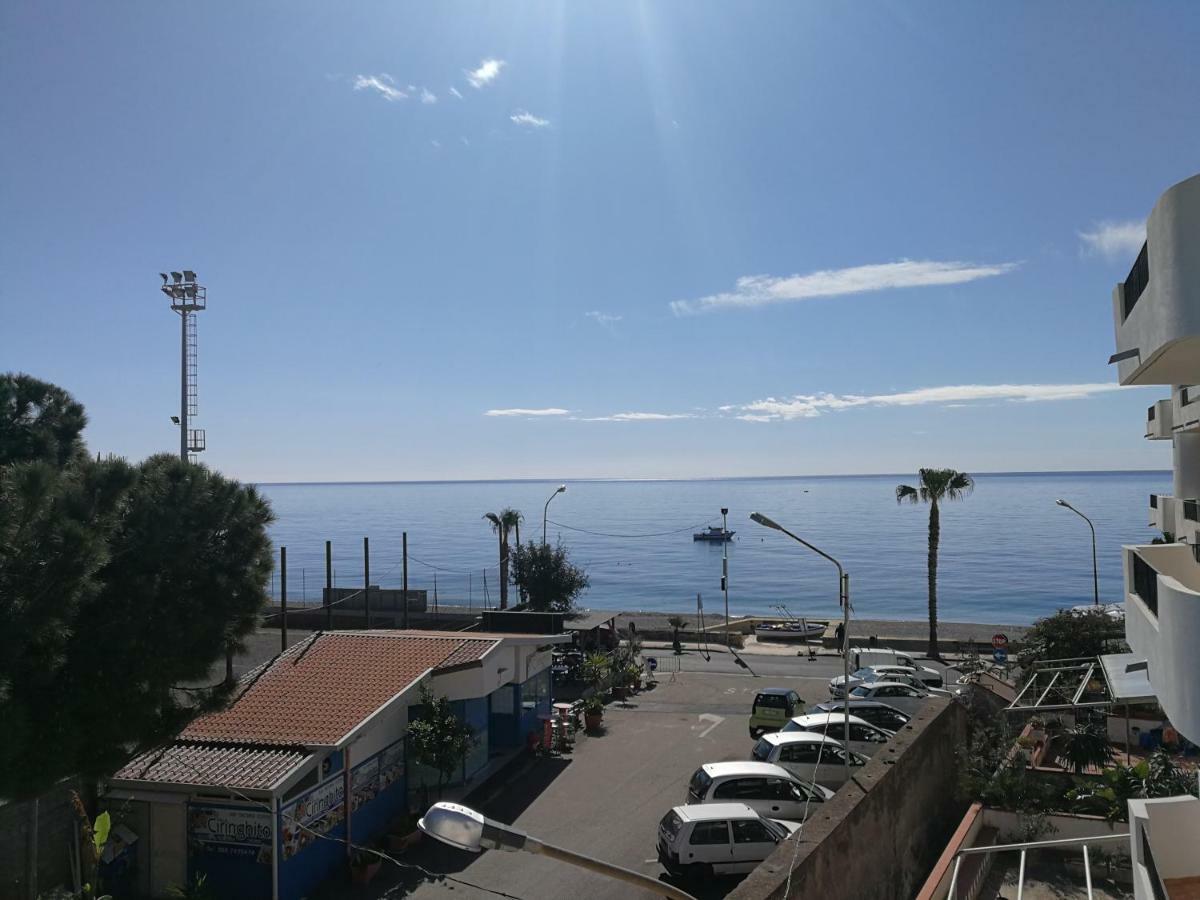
point(1154, 501)
point(1136, 281)
point(1145, 583)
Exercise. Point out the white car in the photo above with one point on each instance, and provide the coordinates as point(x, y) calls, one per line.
point(876, 712)
point(864, 738)
point(808, 756)
point(765, 788)
point(706, 839)
point(922, 677)
point(898, 693)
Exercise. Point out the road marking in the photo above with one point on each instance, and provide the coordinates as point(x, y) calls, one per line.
point(709, 717)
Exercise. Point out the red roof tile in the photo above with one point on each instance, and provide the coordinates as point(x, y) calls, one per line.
point(319, 690)
point(215, 765)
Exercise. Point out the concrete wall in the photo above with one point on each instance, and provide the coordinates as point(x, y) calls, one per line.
point(56, 825)
point(883, 832)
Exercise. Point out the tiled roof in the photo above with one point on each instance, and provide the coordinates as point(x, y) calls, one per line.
point(216, 765)
point(316, 692)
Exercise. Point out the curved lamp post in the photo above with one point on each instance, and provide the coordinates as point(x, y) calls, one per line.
point(1095, 575)
point(844, 599)
point(466, 829)
point(562, 489)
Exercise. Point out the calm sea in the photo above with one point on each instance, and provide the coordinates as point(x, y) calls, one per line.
point(1008, 553)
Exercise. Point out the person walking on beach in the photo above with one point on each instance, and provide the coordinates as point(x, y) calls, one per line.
point(839, 636)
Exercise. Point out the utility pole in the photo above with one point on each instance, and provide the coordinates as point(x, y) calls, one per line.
point(367, 580)
point(404, 582)
point(187, 298)
point(725, 567)
point(328, 584)
point(283, 598)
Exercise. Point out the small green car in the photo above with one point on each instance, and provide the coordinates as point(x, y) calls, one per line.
point(773, 708)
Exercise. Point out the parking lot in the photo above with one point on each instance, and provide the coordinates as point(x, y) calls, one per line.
point(605, 799)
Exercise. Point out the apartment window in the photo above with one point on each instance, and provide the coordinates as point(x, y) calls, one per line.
point(1188, 394)
point(1191, 510)
point(1150, 414)
point(1136, 281)
point(1145, 583)
point(1154, 501)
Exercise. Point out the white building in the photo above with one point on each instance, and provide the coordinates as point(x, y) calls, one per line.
point(1156, 312)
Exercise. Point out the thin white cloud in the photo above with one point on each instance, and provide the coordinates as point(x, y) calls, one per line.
point(809, 406)
point(454, 92)
point(524, 117)
point(383, 84)
point(766, 290)
point(1117, 241)
point(427, 96)
point(548, 411)
point(436, 144)
point(638, 417)
point(486, 73)
point(603, 319)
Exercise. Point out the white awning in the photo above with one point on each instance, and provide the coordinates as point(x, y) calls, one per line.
point(1128, 678)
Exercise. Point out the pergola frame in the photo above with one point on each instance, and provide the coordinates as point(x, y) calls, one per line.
point(1065, 687)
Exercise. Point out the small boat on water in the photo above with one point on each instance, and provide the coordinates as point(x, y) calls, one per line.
point(714, 533)
point(791, 629)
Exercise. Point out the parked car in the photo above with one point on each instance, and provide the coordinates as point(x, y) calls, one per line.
point(861, 657)
point(765, 788)
point(772, 708)
point(706, 839)
point(808, 756)
point(864, 737)
point(922, 677)
point(876, 712)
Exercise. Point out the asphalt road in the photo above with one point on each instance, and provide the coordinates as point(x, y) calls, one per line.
point(607, 798)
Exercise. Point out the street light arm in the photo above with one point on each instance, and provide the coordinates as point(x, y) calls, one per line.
point(815, 550)
point(620, 873)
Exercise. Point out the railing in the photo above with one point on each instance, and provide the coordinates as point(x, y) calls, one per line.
point(1145, 583)
point(1154, 501)
point(1136, 281)
point(1191, 510)
point(1060, 843)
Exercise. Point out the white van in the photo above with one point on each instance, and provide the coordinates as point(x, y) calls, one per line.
point(808, 756)
point(765, 788)
point(861, 657)
point(708, 839)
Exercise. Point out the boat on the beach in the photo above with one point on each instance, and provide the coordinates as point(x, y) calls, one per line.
point(714, 533)
point(793, 628)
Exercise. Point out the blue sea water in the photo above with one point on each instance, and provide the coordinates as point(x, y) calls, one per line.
point(1008, 553)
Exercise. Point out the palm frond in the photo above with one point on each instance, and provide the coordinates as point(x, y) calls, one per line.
point(905, 492)
point(494, 519)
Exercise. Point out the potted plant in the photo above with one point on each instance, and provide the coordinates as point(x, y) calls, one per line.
point(364, 866)
point(593, 712)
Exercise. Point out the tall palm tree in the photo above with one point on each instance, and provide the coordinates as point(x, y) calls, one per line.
point(504, 522)
point(936, 485)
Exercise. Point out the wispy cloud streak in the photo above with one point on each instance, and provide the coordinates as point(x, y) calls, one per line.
point(528, 413)
point(383, 84)
point(809, 406)
point(1116, 241)
point(766, 290)
point(637, 417)
point(486, 73)
point(524, 117)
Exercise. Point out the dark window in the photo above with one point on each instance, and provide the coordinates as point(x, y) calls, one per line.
point(741, 789)
point(800, 753)
point(863, 733)
point(751, 831)
point(700, 782)
point(1191, 510)
point(1136, 281)
point(710, 833)
point(1145, 583)
point(1154, 501)
point(1187, 395)
point(1150, 414)
point(762, 750)
point(770, 701)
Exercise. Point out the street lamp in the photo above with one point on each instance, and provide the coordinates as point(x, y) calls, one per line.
point(466, 829)
point(562, 489)
point(844, 599)
point(1095, 575)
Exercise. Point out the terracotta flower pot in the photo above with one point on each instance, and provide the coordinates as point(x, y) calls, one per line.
point(591, 721)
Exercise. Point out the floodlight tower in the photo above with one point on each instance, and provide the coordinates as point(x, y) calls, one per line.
point(187, 298)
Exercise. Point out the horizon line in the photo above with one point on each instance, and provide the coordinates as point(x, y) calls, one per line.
point(651, 479)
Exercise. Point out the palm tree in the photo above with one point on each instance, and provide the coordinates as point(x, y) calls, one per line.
point(936, 485)
point(502, 523)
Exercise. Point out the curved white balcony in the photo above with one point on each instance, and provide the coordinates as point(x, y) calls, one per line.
point(1156, 310)
point(1162, 625)
point(1159, 420)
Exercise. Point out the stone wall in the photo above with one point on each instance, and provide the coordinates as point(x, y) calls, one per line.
point(882, 833)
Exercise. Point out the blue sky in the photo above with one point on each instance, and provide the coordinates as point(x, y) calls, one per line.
point(699, 239)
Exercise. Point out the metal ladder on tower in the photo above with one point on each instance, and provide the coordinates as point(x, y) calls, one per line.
point(195, 437)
